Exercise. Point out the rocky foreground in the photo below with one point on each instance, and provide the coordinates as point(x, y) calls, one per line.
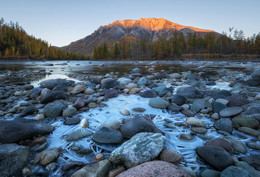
point(26, 114)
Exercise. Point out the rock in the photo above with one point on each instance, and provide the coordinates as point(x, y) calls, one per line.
point(256, 74)
point(229, 112)
point(144, 81)
point(31, 109)
point(187, 113)
point(148, 94)
point(71, 164)
point(199, 130)
point(161, 90)
point(194, 122)
point(178, 99)
point(111, 123)
point(115, 172)
point(175, 75)
point(158, 103)
point(134, 90)
point(80, 103)
point(237, 101)
point(123, 81)
point(218, 107)
point(253, 145)
point(139, 109)
point(52, 96)
point(72, 121)
point(249, 131)
point(161, 75)
point(233, 171)
point(62, 88)
point(28, 87)
point(175, 108)
point(52, 166)
point(96, 169)
point(210, 173)
point(186, 137)
point(89, 91)
point(131, 86)
point(141, 148)
point(221, 142)
point(215, 116)
point(48, 156)
point(111, 93)
point(247, 167)
point(69, 111)
point(236, 145)
point(84, 123)
point(125, 112)
point(54, 109)
point(107, 136)
point(78, 89)
point(108, 83)
point(77, 135)
point(155, 168)
point(222, 101)
point(12, 131)
point(35, 92)
point(137, 125)
point(246, 122)
point(199, 104)
point(51, 83)
point(39, 117)
point(170, 156)
point(13, 159)
point(215, 156)
point(224, 124)
point(189, 92)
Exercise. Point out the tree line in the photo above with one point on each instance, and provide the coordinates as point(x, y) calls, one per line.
point(16, 43)
point(210, 45)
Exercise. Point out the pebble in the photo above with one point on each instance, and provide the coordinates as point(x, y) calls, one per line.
point(84, 123)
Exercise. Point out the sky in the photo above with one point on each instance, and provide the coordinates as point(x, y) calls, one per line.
point(60, 22)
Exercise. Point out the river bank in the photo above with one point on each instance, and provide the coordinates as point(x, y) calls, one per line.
point(89, 117)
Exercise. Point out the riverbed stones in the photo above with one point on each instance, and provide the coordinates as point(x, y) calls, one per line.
point(170, 156)
point(106, 135)
point(69, 111)
point(111, 93)
point(144, 81)
point(124, 81)
point(246, 122)
point(210, 173)
point(125, 112)
point(231, 111)
point(215, 156)
point(80, 103)
point(155, 168)
point(96, 169)
point(178, 99)
point(193, 121)
point(199, 104)
point(112, 123)
point(136, 125)
point(249, 131)
point(108, 83)
point(141, 148)
point(84, 123)
point(224, 124)
point(54, 109)
point(148, 94)
point(256, 74)
point(78, 89)
point(77, 135)
point(237, 101)
point(29, 110)
point(233, 171)
point(222, 142)
point(51, 83)
point(13, 159)
point(20, 129)
point(158, 103)
point(189, 92)
point(52, 96)
point(48, 156)
point(89, 91)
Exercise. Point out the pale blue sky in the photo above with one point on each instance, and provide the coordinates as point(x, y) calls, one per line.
point(62, 21)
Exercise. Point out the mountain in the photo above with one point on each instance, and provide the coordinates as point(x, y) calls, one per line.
point(145, 28)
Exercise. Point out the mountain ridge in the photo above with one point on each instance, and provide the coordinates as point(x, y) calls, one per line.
point(144, 28)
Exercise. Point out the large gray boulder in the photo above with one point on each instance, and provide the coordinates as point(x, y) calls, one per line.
point(51, 83)
point(21, 129)
point(52, 96)
point(55, 108)
point(137, 125)
point(141, 148)
point(13, 159)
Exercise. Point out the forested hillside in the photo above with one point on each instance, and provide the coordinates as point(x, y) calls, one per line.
point(15, 43)
point(233, 45)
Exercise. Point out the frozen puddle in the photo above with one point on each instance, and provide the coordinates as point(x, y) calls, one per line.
point(172, 124)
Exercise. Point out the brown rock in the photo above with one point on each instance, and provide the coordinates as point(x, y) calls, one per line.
point(116, 171)
point(226, 144)
point(170, 156)
point(155, 169)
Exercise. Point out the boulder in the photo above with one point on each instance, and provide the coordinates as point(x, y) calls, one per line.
point(141, 148)
point(170, 156)
point(124, 81)
point(35, 92)
point(189, 92)
point(136, 125)
point(224, 124)
point(236, 145)
point(69, 111)
point(54, 109)
point(79, 103)
point(13, 158)
point(53, 95)
point(51, 83)
point(246, 122)
point(144, 81)
point(106, 135)
point(111, 93)
point(155, 168)
point(12, 131)
point(158, 103)
point(108, 83)
point(78, 89)
point(148, 94)
point(29, 110)
point(215, 156)
point(221, 142)
point(96, 169)
point(256, 74)
point(237, 101)
point(229, 112)
point(178, 99)
point(233, 171)
point(48, 156)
